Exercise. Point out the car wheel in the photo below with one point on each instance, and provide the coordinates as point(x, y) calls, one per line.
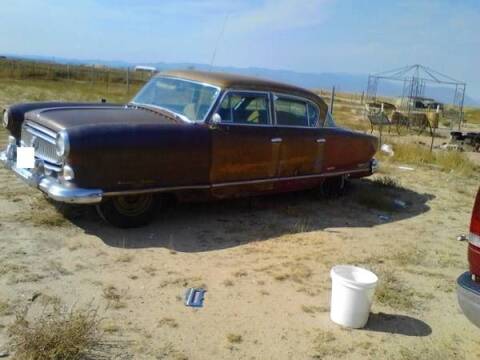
point(128, 211)
point(333, 187)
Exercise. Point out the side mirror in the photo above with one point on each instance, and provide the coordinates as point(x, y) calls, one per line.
point(216, 119)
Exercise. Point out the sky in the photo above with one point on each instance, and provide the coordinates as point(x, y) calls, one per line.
point(349, 36)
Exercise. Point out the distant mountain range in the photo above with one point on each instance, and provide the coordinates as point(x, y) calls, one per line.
point(344, 82)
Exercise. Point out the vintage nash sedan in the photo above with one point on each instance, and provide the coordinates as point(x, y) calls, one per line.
point(186, 134)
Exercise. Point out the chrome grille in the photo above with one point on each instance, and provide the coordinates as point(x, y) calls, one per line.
point(43, 140)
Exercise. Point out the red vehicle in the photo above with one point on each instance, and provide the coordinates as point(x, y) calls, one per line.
point(468, 289)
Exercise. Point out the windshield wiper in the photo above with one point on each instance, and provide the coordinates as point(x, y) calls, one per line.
point(160, 109)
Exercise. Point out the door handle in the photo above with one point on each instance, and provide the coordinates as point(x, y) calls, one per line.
point(276, 140)
point(321, 140)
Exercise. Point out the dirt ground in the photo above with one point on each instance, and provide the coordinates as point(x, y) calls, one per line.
point(265, 264)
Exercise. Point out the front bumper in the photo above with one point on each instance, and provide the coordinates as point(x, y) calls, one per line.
point(468, 294)
point(50, 185)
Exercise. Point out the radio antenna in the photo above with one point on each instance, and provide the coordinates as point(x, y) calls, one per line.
point(218, 42)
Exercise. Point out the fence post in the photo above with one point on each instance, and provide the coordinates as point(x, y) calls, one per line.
point(128, 80)
point(435, 127)
point(332, 99)
point(107, 78)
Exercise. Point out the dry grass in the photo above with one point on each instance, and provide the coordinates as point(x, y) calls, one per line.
point(168, 322)
point(324, 345)
point(240, 273)
point(124, 258)
point(43, 213)
point(110, 327)
point(392, 292)
point(57, 268)
point(387, 182)
point(472, 115)
point(169, 352)
point(11, 268)
point(294, 271)
point(311, 309)
point(234, 338)
point(56, 334)
point(114, 297)
point(442, 349)
point(450, 161)
point(228, 283)
point(6, 308)
point(150, 270)
point(413, 256)
point(19, 273)
point(14, 91)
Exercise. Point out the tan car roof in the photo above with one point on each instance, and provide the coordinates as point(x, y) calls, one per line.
point(233, 81)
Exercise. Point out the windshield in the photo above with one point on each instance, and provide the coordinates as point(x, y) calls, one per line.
point(187, 98)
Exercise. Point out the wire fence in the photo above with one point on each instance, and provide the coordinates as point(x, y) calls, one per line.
point(95, 74)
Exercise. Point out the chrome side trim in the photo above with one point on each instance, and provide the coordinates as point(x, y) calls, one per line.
point(276, 140)
point(155, 190)
point(66, 192)
point(301, 177)
point(232, 183)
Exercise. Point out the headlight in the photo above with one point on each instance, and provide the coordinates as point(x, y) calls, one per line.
point(62, 146)
point(5, 118)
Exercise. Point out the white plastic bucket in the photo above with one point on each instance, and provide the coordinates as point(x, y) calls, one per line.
point(352, 295)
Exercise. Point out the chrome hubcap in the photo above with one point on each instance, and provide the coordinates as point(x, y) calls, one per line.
point(133, 205)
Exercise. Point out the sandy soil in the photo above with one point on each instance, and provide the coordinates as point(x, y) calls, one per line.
point(265, 263)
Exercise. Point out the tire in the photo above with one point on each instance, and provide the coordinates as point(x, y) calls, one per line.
point(128, 211)
point(333, 187)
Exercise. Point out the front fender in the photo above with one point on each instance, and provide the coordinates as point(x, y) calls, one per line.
point(129, 156)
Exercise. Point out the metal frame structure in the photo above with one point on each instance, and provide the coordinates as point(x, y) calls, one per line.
point(415, 79)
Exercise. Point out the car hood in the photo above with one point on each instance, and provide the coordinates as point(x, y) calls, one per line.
point(60, 118)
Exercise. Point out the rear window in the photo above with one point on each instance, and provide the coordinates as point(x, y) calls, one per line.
point(293, 112)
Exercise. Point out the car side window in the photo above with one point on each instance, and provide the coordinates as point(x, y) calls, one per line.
point(291, 112)
point(239, 108)
point(313, 116)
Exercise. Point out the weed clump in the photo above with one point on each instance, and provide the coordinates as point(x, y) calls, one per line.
point(57, 334)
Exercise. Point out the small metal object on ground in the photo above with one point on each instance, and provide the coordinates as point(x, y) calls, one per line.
point(384, 217)
point(400, 203)
point(194, 297)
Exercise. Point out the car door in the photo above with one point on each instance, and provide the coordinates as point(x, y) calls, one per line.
point(244, 145)
point(302, 141)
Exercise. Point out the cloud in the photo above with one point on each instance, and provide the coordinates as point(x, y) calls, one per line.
point(279, 15)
